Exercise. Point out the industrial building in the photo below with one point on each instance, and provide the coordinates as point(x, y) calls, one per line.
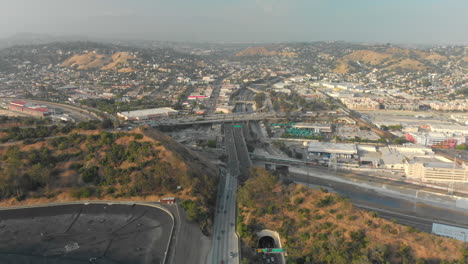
point(147, 115)
point(29, 108)
point(436, 171)
point(446, 128)
point(326, 150)
point(435, 139)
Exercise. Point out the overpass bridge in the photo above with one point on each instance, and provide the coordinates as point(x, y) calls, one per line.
point(219, 119)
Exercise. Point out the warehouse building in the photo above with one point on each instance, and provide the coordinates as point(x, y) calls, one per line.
point(445, 128)
point(147, 115)
point(325, 150)
point(29, 108)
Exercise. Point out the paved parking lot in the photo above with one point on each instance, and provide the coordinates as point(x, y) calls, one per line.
point(93, 233)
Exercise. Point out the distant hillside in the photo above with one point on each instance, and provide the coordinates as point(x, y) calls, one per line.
point(93, 60)
point(263, 51)
point(368, 57)
point(318, 227)
point(256, 51)
point(389, 59)
point(143, 165)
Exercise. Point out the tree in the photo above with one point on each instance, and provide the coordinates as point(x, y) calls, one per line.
point(462, 147)
point(107, 123)
point(91, 175)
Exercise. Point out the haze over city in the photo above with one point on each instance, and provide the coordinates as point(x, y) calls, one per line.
point(396, 21)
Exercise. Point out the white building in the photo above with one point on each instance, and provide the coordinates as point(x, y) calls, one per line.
point(456, 129)
point(326, 149)
point(146, 115)
point(436, 171)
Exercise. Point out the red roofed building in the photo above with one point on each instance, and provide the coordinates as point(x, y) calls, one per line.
point(29, 108)
point(17, 105)
point(37, 111)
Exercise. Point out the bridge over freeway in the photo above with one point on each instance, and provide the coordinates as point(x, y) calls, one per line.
point(218, 119)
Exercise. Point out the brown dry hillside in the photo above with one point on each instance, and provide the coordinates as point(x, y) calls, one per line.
point(92, 60)
point(389, 59)
point(95, 164)
point(256, 51)
point(87, 61)
point(408, 64)
point(343, 66)
point(368, 57)
point(318, 227)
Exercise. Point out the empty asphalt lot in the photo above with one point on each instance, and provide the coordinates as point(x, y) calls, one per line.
point(85, 233)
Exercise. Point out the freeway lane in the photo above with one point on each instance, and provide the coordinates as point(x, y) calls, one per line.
point(80, 114)
point(225, 247)
point(211, 106)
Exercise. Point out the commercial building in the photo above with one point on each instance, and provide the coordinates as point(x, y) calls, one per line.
point(436, 171)
point(435, 139)
point(360, 103)
point(446, 128)
point(146, 115)
point(326, 150)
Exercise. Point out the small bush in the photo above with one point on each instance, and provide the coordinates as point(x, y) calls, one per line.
point(298, 200)
point(318, 216)
point(352, 217)
point(137, 136)
point(327, 201)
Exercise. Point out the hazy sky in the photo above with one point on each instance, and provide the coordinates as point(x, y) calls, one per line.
point(396, 21)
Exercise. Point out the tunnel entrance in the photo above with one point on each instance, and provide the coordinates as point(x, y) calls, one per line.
point(266, 242)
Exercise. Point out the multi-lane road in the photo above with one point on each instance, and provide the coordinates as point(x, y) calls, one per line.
point(225, 247)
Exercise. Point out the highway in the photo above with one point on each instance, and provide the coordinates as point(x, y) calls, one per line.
point(211, 105)
point(79, 114)
point(225, 247)
point(218, 118)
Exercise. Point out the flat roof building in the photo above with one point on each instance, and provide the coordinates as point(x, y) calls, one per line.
point(147, 114)
point(339, 150)
point(446, 128)
point(436, 171)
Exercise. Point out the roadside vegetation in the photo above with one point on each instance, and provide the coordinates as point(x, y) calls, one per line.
point(113, 106)
point(42, 130)
point(318, 227)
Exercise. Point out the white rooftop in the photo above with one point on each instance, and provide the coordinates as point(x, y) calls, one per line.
point(328, 147)
point(311, 125)
point(147, 112)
